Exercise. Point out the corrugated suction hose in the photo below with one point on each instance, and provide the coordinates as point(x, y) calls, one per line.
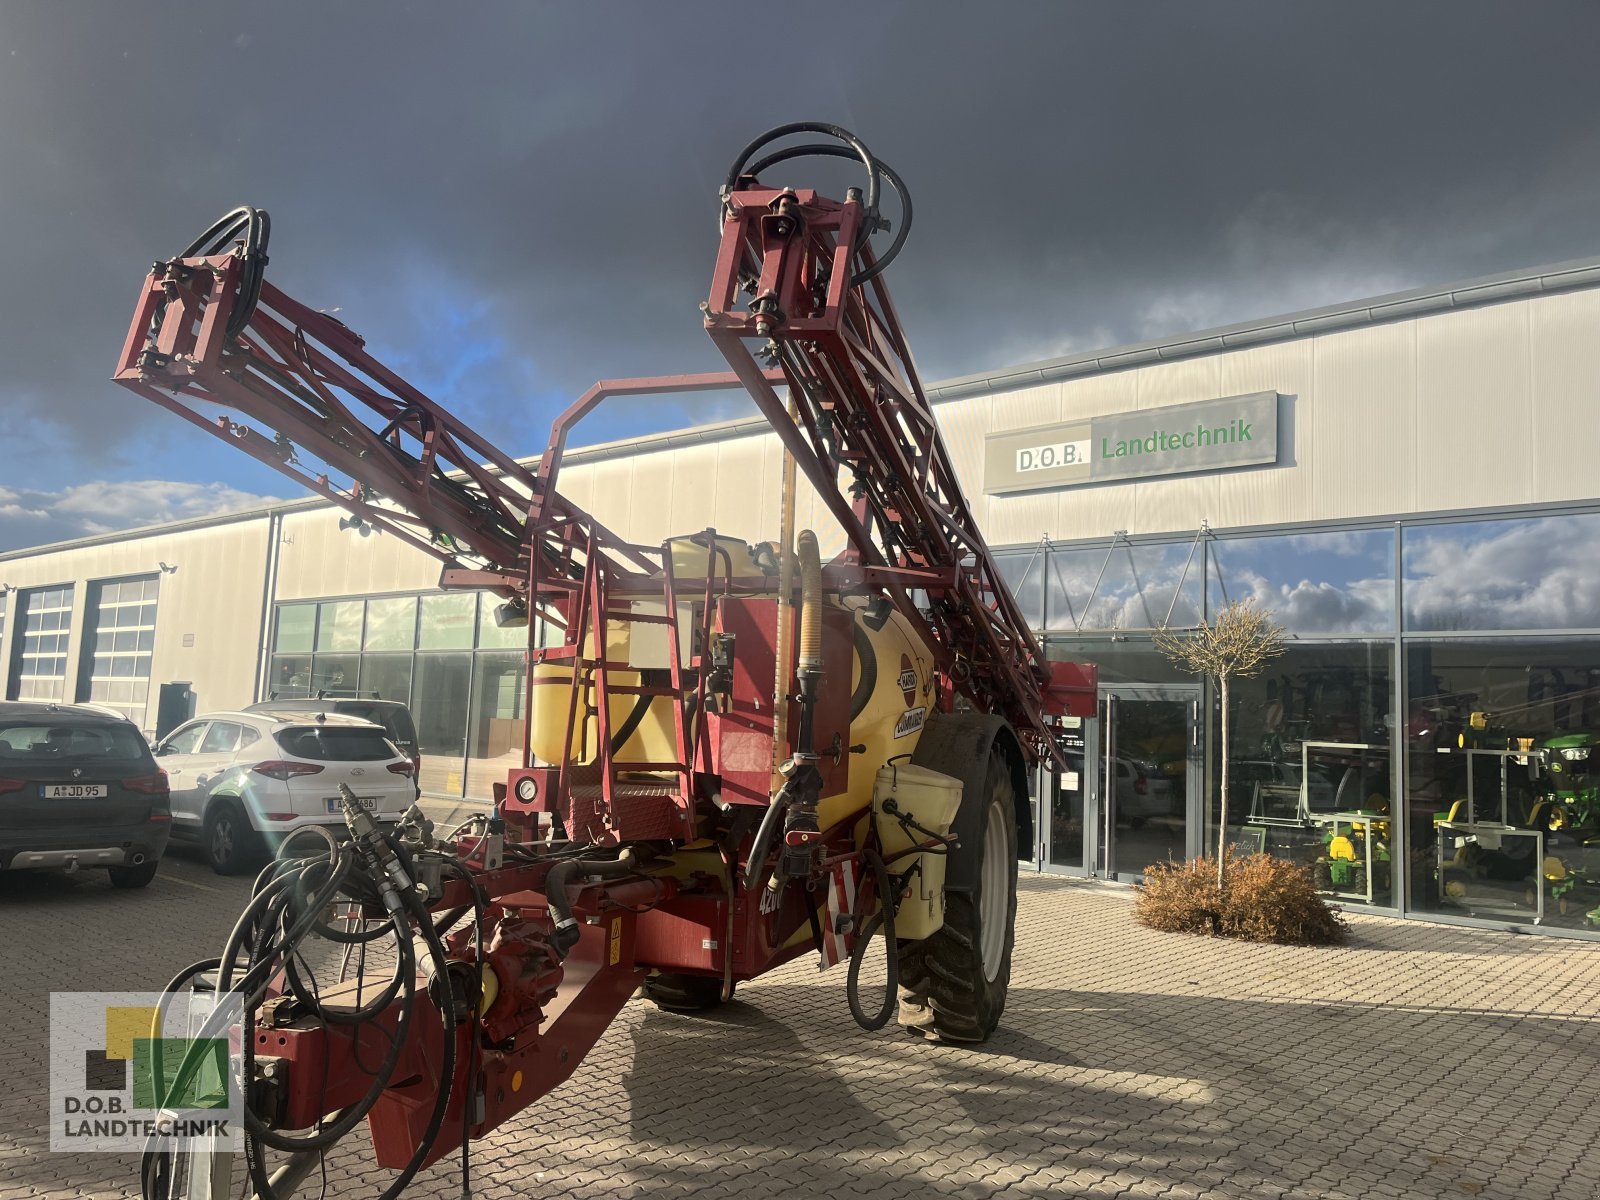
point(810, 656)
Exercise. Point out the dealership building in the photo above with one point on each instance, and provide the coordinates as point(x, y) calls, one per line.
point(1410, 485)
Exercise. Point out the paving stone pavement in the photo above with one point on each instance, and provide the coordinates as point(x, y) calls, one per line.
point(1420, 1061)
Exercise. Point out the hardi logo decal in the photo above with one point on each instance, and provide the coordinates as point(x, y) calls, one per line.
point(907, 681)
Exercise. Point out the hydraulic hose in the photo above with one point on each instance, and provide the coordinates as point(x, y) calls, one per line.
point(884, 919)
point(561, 876)
point(827, 150)
point(858, 149)
point(254, 227)
point(286, 907)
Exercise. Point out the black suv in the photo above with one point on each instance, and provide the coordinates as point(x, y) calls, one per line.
point(79, 788)
point(394, 716)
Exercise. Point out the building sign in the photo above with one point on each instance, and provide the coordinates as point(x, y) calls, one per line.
point(1238, 431)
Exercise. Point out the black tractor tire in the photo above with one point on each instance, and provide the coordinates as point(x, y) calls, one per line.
point(231, 846)
point(684, 993)
point(953, 983)
point(133, 876)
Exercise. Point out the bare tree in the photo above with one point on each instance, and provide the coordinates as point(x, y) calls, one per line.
point(1239, 642)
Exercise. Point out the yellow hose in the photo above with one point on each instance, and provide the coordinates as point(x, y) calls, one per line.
point(810, 657)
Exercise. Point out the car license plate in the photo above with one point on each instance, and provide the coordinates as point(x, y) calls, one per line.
point(367, 802)
point(73, 791)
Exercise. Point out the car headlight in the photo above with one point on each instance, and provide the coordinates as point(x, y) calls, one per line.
point(527, 789)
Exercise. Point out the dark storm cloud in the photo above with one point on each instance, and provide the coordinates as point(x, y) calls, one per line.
point(511, 201)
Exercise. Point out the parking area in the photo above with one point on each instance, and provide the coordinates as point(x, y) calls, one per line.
point(1419, 1061)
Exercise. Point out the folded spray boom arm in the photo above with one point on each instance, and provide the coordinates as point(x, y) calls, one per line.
point(210, 332)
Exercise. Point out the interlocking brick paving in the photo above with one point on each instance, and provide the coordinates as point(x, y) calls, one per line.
point(1419, 1061)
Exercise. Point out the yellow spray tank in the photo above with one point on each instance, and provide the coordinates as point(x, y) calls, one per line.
point(647, 721)
point(891, 680)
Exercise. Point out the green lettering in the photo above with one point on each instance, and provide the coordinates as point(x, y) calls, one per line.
point(1244, 432)
point(1188, 440)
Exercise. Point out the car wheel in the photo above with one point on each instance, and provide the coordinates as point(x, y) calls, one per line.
point(133, 877)
point(953, 983)
point(230, 843)
point(684, 993)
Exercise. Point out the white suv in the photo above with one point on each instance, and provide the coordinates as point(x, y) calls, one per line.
point(242, 782)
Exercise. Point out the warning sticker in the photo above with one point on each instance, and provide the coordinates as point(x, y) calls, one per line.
point(616, 940)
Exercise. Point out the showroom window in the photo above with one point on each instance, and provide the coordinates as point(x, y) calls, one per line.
point(119, 640)
point(42, 627)
point(1023, 571)
point(1127, 585)
point(1310, 769)
point(1524, 573)
point(1502, 744)
point(1339, 582)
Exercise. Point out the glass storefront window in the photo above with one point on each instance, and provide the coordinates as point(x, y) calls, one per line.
point(1023, 571)
point(1133, 586)
point(297, 627)
point(1337, 582)
point(391, 623)
point(387, 675)
point(448, 621)
point(290, 676)
point(494, 741)
point(336, 674)
point(1127, 660)
point(1310, 769)
point(442, 684)
point(1530, 573)
point(492, 636)
point(339, 625)
point(1503, 778)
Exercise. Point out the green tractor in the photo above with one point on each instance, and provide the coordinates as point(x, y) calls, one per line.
point(1569, 801)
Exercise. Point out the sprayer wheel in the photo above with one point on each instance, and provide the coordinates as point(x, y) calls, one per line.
point(684, 993)
point(953, 983)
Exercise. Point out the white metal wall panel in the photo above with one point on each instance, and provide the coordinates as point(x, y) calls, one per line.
point(1474, 408)
point(744, 481)
point(1289, 490)
point(1023, 518)
point(316, 559)
point(1565, 430)
point(612, 502)
point(1096, 509)
point(693, 502)
point(1360, 417)
point(212, 602)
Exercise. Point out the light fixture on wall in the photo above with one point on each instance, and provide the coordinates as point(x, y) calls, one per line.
point(356, 523)
point(6, 589)
point(166, 569)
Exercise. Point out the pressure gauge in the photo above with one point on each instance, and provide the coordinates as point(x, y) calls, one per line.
point(527, 789)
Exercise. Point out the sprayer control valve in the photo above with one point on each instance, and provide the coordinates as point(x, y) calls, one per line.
point(801, 837)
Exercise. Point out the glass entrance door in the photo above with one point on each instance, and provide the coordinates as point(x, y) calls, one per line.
point(1062, 815)
point(1147, 795)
